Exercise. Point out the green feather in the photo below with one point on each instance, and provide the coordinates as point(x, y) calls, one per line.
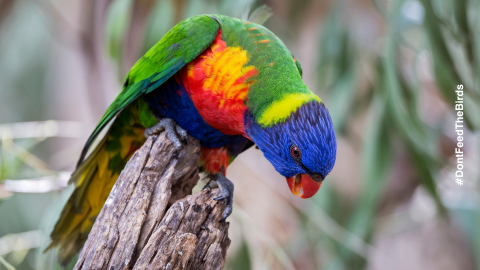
point(279, 76)
point(178, 47)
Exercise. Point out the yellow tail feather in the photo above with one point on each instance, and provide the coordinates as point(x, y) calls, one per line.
point(93, 180)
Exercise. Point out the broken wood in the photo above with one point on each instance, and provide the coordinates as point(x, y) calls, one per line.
point(148, 222)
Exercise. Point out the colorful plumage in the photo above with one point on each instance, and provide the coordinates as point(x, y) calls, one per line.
point(228, 83)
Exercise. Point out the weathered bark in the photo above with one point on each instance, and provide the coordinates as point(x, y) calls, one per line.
point(133, 231)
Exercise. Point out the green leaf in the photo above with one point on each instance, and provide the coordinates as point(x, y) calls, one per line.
point(447, 77)
point(422, 147)
point(117, 21)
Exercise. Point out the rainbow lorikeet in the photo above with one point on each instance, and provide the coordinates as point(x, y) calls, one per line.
point(226, 82)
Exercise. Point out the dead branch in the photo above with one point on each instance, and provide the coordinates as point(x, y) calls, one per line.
point(135, 230)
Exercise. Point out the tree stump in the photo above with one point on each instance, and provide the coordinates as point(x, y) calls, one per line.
point(148, 223)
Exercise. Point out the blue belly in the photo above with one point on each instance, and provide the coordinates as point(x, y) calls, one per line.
point(171, 100)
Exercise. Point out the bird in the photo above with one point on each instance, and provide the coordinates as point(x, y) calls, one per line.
point(228, 83)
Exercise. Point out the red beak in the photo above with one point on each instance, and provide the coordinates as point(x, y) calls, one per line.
point(303, 182)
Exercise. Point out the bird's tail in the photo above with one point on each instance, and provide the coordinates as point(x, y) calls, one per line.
point(94, 179)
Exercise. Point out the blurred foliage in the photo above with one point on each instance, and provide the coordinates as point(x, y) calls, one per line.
point(387, 70)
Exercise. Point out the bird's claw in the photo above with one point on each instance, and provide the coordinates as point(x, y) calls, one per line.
point(210, 185)
point(226, 192)
point(223, 195)
point(219, 198)
point(182, 133)
point(175, 133)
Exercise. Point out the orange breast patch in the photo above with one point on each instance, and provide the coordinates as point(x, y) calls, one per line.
point(217, 82)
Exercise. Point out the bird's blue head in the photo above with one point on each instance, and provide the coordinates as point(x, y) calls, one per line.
point(302, 148)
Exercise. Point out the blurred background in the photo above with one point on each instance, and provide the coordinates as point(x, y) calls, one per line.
point(386, 69)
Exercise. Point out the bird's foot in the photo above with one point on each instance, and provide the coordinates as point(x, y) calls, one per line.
point(175, 133)
point(226, 192)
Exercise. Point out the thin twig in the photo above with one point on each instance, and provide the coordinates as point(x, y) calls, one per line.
point(6, 264)
point(27, 157)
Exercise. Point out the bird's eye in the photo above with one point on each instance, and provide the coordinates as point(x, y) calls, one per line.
point(295, 152)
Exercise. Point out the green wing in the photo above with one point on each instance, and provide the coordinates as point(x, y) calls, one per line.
point(178, 47)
